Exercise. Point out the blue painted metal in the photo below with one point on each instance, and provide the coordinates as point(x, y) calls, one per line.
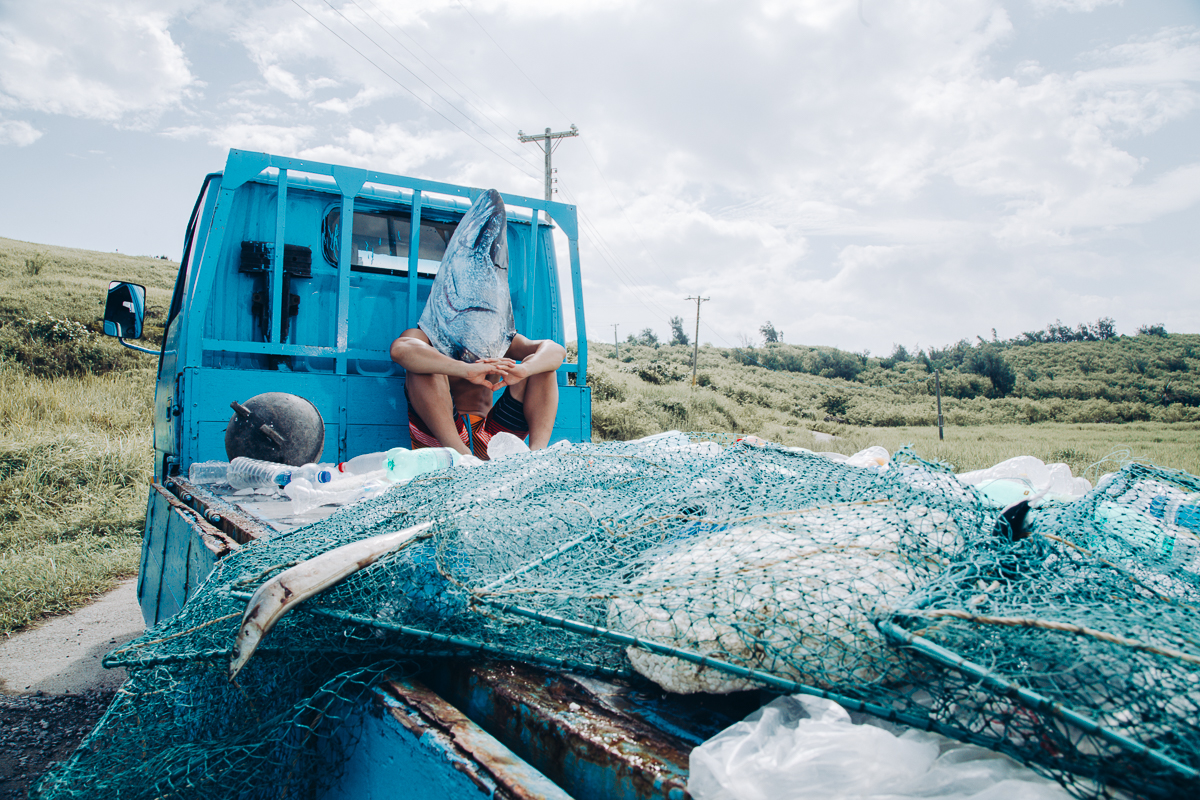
point(416, 746)
point(347, 317)
point(412, 311)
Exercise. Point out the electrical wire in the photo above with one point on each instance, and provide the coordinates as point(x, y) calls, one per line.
point(410, 91)
point(449, 71)
point(519, 153)
point(511, 61)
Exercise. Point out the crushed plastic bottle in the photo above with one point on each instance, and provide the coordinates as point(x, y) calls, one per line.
point(247, 473)
point(360, 465)
point(306, 495)
point(404, 465)
point(204, 472)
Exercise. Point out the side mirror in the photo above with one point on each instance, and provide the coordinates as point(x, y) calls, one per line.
point(124, 310)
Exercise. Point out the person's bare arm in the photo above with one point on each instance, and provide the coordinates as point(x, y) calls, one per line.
point(414, 352)
point(536, 356)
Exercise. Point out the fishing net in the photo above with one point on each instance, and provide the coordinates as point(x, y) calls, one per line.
point(1069, 642)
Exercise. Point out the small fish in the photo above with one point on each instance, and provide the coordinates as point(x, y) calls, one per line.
point(295, 585)
point(469, 312)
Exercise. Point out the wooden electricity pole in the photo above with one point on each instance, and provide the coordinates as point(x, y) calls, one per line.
point(696, 343)
point(546, 138)
point(616, 347)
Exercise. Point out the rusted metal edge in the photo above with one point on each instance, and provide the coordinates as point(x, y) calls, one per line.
point(568, 718)
point(234, 522)
point(216, 540)
point(510, 776)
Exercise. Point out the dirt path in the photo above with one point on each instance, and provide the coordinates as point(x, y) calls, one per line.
point(53, 687)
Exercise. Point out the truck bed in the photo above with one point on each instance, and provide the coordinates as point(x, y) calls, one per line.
point(458, 726)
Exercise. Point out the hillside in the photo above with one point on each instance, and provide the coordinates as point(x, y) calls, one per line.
point(52, 306)
point(1121, 379)
point(1136, 394)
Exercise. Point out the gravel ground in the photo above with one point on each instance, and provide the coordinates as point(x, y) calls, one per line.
point(53, 688)
point(38, 730)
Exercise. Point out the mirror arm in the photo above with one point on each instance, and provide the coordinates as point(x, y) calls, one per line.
point(135, 347)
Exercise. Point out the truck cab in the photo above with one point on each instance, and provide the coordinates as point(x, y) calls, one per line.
point(276, 292)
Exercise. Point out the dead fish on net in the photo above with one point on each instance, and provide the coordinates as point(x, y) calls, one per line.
point(295, 585)
point(469, 313)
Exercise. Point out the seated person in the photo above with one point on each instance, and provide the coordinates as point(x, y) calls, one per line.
point(450, 402)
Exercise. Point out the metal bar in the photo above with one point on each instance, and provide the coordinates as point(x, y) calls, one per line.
point(765, 678)
point(350, 181)
point(1028, 697)
point(457, 641)
point(580, 323)
point(270, 348)
point(277, 261)
point(537, 562)
point(414, 245)
point(530, 272)
point(343, 300)
point(205, 273)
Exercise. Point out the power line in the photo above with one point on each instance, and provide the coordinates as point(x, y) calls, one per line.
point(392, 78)
point(510, 60)
point(405, 67)
point(433, 58)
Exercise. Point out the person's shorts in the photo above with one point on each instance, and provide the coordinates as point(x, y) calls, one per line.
point(507, 414)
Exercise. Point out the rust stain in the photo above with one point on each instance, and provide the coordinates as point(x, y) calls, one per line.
point(508, 771)
point(573, 723)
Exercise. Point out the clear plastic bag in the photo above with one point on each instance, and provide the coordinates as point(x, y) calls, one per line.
point(805, 747)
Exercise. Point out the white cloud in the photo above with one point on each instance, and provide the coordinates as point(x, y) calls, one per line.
point(85, 59)
point(18, 132)
point(278, 139)
point(1046, 6)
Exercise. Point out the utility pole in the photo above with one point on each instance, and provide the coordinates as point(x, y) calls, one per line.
point(937, 378)
point(545, 139)
point(696, 342)
point(616, 347)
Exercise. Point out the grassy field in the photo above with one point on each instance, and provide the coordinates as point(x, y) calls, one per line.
point(75, 427)
point(76, 413)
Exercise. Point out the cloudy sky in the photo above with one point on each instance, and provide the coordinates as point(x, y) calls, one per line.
point(861, 173)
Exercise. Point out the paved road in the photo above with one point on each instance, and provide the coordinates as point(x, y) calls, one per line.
point(53, 688)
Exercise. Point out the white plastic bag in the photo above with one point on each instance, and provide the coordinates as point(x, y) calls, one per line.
point(1053, 479)
point(806, 747)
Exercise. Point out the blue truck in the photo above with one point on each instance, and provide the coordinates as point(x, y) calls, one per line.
point(295, 277)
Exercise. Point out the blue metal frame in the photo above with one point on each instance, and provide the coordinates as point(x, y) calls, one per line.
point(207, 358)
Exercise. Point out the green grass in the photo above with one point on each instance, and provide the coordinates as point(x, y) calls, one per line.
point(651, 392)
point(75, 463)
point(76, 411)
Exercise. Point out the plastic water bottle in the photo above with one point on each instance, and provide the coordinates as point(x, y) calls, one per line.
point(404, 465)
point(208, 472)
point(359, 465)
point(250, 472)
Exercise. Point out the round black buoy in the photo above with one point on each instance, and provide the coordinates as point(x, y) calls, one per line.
point(275, 426)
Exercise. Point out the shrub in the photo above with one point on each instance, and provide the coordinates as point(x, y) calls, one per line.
point(52, 348)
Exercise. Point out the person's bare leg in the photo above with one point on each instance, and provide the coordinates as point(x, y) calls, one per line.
point(539, 394)
point(430, 396)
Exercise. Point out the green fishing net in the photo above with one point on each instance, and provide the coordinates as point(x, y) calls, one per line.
point(1068, 640)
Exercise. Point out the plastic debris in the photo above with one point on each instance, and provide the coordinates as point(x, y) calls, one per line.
point(799, 747)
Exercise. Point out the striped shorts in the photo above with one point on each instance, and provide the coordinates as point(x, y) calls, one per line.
point(507, 414)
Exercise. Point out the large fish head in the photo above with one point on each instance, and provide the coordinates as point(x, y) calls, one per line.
point(469, 312)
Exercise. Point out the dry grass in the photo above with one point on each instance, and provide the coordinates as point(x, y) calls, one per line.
point(75, 461)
